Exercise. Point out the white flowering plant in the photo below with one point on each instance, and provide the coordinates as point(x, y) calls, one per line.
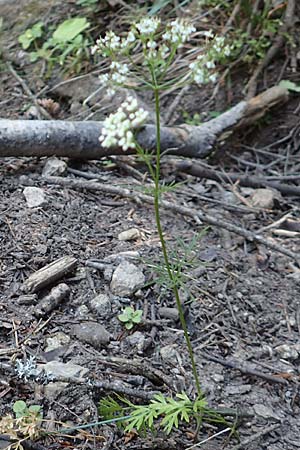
point(158, 46)
point(141, 59)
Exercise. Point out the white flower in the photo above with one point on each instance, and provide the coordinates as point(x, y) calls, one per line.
point(130, 39)
point(117, 128)
point(148, 25)
point(104, 79)
point(179, 32)
point(210, 64)
point(213, 77)
point(152, 45)
point(164, 50)
point(110, 42)
point(208, 34)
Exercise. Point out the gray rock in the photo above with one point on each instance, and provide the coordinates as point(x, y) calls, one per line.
point(265, 411)
point(238, 390)
point(92, 333)
point(129, 235)
point(168, 313)
point(34, 196)
point(169, 354)
point(54, 167)
point(137, 340)
point(53, 389)
point(82, 311)
point(59, 369)
point(108, 272)
point(264, 198)
point(126, 279)
point(288, 352)
point(58, 340)
point(101, 304)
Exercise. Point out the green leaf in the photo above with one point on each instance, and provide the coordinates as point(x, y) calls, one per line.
point(35, 409)
point(109, 407)
point(157, 6)
point(37, 30)
point(290, 85)
point(34, 56)
point(137, 316)
point(128, 325)
point(70, 28)
point(123, 317)
point(20, 409)
point(30, 35)
point(19, 406)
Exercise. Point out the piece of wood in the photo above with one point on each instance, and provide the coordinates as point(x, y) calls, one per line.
point(253, 181)
point(80, 140)
point(52, 300)
point(49, 274)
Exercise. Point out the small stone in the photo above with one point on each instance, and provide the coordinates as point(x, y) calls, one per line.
point(75, 107)
point(126, 279)
point(32, 113)
point(53, 389)
point(218, 377)
point(54, 167)
point(265, 411)
point(288, 352)
point(60, 369)
point(107, 274)
point(238, 390)
point(92, 333)
point(101, 304)
point(168, 313)
point(58, 340)
point(169, 354)
point(82, 311)
point(137, 340)
point(129, 235)
point(34, 196)
point(264, 198)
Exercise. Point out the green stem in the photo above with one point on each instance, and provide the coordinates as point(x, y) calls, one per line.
point(163, 243)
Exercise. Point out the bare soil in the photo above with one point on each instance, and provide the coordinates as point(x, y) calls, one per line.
point(241, 300)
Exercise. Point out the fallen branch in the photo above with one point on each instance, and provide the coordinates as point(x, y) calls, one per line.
point(197, 170)
point(80, 140)
point(198, 216)
point(245, 369)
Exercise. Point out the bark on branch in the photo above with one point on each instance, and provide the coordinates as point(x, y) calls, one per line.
point(80, 140)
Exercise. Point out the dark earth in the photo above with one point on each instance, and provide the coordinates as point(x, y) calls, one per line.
point(241, 299)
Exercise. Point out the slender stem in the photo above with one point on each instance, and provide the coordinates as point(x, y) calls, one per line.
point(163, 243)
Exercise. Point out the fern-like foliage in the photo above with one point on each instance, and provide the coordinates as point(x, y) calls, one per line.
point(166, 411)
point(109, 408)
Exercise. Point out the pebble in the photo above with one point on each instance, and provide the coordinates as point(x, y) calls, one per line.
point(92, 333)
point(57, 340)
point(127, 279)
point(82, 311)
point(264, 198)
point(137, 339)
point(34, 196)
point(60, 369)
point(129, 235)
point(169, 354)
point(101, 304)
point(54, 167)
point(168, 313)
point(288, 352)
point(265, 411)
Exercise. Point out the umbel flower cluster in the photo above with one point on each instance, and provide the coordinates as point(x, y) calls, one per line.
point(117, 128)
point(158, 47)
